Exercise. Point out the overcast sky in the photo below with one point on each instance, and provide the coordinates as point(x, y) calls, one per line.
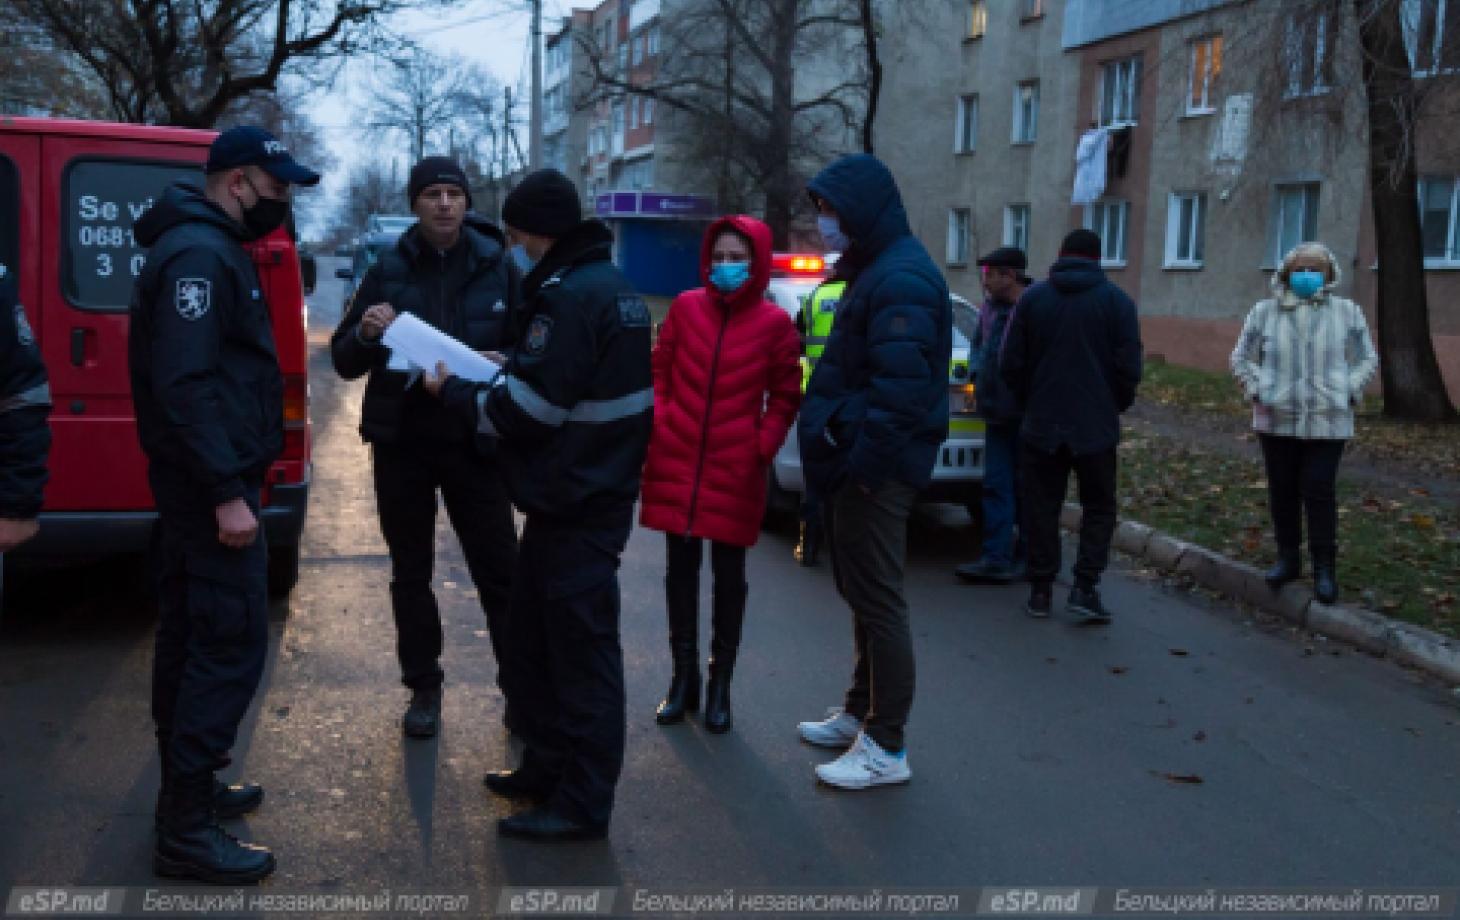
point(492, 33)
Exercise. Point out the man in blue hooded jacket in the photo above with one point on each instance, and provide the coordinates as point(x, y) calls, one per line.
point(875, 413)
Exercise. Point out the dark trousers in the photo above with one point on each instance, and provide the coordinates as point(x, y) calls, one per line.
point(566, 670)
point(1302, 474)
point(407, 477)
point(212, 629)
point(1003, 534)
point(686, 554)
point(868, 538)
point(1046, 477)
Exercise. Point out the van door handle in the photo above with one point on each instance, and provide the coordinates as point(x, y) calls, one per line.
point(78, 347)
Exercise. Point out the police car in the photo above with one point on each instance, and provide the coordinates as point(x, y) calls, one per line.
point(958, 474)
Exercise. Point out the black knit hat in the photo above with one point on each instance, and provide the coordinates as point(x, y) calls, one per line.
point(1084, 244)
point(436, 171)
point(544, 203)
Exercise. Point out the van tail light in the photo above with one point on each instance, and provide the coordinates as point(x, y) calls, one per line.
point(296, 401)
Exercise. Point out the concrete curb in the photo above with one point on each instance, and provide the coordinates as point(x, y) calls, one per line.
point(1411, 645)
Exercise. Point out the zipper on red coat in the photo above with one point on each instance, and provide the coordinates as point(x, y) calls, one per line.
point(694, 492)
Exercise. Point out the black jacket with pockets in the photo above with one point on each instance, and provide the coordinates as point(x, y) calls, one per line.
point(25, 402)
point(573, 410)
point(205, 376)
point(472, 293)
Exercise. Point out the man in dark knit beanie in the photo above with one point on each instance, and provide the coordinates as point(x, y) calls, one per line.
point(1073, 358)
point(570, 420)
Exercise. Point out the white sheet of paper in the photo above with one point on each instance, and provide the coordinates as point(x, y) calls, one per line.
point(416, 346)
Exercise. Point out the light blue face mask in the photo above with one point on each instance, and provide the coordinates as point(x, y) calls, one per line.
point(525, 263)
point(1306, 283)
point(831, 234)
point(729, 276)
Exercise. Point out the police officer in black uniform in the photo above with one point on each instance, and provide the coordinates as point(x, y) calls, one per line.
point(458, 279)
point(572, 415)
point(25, 403)
point(209, 403)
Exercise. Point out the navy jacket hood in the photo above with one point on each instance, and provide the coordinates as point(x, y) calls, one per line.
point(182, 203)
point(861, 190)
point(1073, 274)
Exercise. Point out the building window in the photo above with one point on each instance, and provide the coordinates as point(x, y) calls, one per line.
point(647, 114)
point(1295, 217)
point(1185, 229)
point(1026, 112)
point(978, 18)
point(1109, 219)
point(653, 41)
point(623, 56)
point(1031, 9)
point(638, 50)
point(1120, 92)
point(634, 112)
point(1016, 226)
point(1206, 66)
point(1308, 46)
point(958, 228)
point(1430, 36)
point(1439, 212)
point(965, 128)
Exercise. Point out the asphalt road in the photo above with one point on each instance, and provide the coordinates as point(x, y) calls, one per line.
point(1039, 751)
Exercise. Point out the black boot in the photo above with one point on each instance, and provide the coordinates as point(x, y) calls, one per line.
point(808, 543)
point(191, 845)
point(1325, 574)
point(727, 620)
point(1289, 567)
point(682, 599)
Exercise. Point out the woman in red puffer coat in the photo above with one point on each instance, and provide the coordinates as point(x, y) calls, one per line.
point(727, 383)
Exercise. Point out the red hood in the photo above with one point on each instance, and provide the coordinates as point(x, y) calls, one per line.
point(760, 259)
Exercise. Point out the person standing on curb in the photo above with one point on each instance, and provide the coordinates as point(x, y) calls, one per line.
point(457, 278)
point(1303, 359)
point(1003, 528)
point(875, 414)
point(208, 397)
point(726, 388)
point(1073, 359)
point(25, 438)
point(572, 414)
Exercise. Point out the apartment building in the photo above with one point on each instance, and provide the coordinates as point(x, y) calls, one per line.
point(566, 78)
point(1234, 130)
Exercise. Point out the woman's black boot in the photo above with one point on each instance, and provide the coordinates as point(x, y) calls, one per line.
point(728, 618)
point(682, 597)
point(1325, 574)
point(1289, 567)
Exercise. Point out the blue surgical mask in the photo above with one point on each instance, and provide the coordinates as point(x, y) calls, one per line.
point(1306, 283)
point(729, 276)
point(831, 233)
point(525, 263)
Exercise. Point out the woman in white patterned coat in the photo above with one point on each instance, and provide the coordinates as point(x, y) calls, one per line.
point(1304, 358)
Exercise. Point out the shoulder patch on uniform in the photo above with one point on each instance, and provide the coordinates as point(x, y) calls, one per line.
point(554, 279)
point(538, 334)
point(499, 306)
point(633, 313)
point(193, 298)
point(22, 327)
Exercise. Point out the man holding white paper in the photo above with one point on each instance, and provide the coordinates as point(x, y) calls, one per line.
point(452, 288)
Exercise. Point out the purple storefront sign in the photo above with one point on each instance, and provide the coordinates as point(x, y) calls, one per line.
point(653, 204)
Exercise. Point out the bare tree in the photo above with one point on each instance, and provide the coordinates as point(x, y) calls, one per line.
point(371, 189)
point(185, 63)
point(755, 125)
point(420, 97)
point(34, 78)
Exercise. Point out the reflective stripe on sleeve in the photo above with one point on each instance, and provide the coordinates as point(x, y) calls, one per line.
point(39, 395)
point(484, 421)
point(598, 411)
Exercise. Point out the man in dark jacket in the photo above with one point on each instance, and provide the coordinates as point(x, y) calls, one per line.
point(571, 416)
point(1003, 533)
point(875, 413)
point(209, 402)
point(1073, 359)
point(457, 278)
point(25, 439)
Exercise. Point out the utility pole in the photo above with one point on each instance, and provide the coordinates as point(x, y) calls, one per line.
point(534, 131)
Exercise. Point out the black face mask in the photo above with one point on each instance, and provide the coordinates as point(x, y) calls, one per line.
point(266, 215)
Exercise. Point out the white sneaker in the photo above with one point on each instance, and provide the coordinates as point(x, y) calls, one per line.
point(865, 764)
point(837, 730)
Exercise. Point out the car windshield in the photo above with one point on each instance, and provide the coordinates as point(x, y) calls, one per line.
point(965, 322)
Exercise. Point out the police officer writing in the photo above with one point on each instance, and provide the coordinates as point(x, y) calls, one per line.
point(25, 402)
point(209, 404)
point(572, 415)
point(456, 277)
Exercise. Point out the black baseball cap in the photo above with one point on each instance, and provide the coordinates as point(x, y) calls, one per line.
point(1006, 257)
point(247, 145)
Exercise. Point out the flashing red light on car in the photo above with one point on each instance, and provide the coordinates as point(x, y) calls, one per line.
point(791, 264)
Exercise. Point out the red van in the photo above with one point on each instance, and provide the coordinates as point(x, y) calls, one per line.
point(70, 192)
